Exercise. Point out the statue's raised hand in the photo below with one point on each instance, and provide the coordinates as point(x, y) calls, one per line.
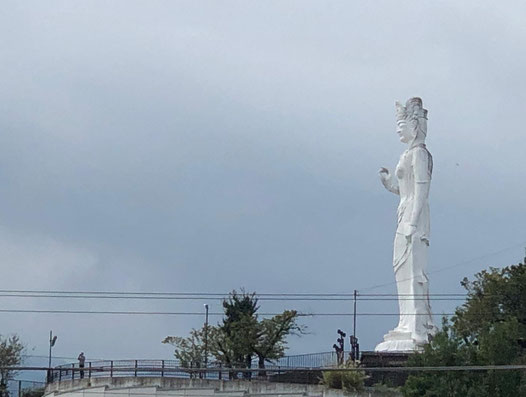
point(387, 180)
point(384, 173)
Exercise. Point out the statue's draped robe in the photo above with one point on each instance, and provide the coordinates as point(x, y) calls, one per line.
point(410, 256)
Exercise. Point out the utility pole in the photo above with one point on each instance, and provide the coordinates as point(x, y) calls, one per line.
point(354, 314)
point(355, 347)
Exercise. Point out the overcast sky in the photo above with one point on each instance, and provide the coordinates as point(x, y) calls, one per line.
point(202, 146)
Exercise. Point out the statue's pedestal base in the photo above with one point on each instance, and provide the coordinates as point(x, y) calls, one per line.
point(399, 341)
point(385, 360)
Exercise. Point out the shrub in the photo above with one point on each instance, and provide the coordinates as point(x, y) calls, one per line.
point(38, 392)
point(348, 380)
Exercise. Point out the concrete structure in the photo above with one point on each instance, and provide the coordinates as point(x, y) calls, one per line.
point(178, 387)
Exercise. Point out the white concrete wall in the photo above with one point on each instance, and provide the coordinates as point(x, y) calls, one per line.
point(178, 387)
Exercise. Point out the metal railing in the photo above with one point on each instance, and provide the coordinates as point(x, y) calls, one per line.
point(311, 360)
point(21, 388)
point(163, 368)
point(173, 368)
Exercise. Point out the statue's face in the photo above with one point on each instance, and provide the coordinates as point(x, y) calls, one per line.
point(404, 131)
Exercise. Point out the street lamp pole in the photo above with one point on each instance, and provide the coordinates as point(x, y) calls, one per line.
point(52, 340)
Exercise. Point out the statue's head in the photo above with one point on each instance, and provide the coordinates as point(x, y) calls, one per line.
point(411, 120)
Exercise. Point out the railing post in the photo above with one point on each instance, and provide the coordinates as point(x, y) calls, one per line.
point(162, 369)
point(60, 375)
point(72, 371)
point(111, 369)
point(135, 373)
point(220, 371)
point(89, 370)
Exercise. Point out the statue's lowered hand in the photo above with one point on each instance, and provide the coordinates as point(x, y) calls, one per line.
point(407, 230)
point(410, 231)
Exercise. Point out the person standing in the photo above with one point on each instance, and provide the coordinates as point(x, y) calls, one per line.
point(82, 361)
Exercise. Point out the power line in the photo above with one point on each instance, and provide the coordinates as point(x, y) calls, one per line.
point(360, 297)
point(315, 299)
point(463, 295)
point(204, 294)
point(214, 314)
point(195, 295)
point(115, 312)
point(209, 295)
point(136, 297)
point(185, 295)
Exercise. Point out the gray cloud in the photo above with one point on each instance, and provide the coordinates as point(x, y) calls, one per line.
point(202, 147)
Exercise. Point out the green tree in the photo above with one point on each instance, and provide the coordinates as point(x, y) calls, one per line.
point(241, 335)
point(238, 334)
point(488, 329)
point(271, 341)
point(189, 351)
point(10, 356)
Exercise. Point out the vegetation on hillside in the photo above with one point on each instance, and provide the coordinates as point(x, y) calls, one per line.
point(488, 329)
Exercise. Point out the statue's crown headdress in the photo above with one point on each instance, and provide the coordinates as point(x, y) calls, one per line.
point(412, 110)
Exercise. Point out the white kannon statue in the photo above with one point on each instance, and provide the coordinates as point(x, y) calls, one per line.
point(411, 181)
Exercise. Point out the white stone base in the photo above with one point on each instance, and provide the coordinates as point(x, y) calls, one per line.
point(398, 341)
